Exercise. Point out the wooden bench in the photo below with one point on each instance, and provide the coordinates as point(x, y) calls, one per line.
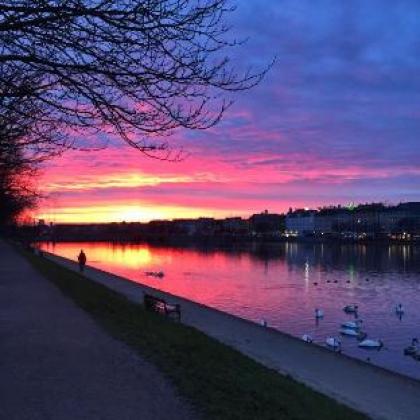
point(159, 305)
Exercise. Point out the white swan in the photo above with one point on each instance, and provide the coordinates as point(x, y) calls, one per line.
point(348, 331)
point(353, 333)
point(333, 342)
point(307, 338)
point(352, 324)
point(399, 310)
point(319, 313)
point(350, 309)
point(371, 344)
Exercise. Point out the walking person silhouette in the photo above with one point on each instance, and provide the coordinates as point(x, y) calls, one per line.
point(82, 260)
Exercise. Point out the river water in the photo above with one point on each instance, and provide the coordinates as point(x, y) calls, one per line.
point(284, 283)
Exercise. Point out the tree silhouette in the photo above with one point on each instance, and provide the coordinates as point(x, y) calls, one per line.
point(16, 189)
point(24, 142)
point(136, 69)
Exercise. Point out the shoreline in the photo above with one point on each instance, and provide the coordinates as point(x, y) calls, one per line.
point(313, 365)
point(181, 240)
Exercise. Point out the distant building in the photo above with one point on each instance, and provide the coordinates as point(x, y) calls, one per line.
point(362, 221)
point(234, 225)
point(402, 220)
point(184, 226)
point(300, 222)
point(332, 220)
point(374, 220)
point(191, 227)
point(266, 223)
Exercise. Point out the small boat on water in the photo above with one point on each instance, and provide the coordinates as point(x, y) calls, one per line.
point(307, 338)
point(158, 274)
point(371, 344)
point(319, 313)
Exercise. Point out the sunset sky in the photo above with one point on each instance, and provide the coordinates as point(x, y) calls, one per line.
point(337, 119)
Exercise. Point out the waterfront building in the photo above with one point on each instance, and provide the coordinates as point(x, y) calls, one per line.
point(402, 221)
point(235, 226)
point(300, 222)
point(266, 223)
point(184, 227)
point(365, 221)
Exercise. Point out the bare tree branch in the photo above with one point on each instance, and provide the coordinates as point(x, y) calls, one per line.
point(137, 69)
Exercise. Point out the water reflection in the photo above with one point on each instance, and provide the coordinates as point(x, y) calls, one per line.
point(284, 283)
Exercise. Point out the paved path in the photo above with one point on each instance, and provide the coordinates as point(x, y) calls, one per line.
point(56, 363)
point(374, 391)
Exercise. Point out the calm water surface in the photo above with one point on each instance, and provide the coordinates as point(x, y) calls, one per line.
point(277, 283)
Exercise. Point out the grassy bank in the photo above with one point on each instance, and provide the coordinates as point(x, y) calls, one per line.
point(219, 381)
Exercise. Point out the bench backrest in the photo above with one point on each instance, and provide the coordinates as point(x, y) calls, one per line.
point(153, 301)
point(159, 305)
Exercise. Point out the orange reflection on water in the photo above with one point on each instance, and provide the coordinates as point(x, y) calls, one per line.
point(214, 278)
point(109, 254)
point(283, 284)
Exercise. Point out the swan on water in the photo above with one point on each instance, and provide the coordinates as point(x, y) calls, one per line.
point(333, 342)
point(307, 338)
point(399, 310)
point(353, 333)
point(371, 344)
point(319, 313)
point(350, 309)
point(412, 349)
point(352, 324)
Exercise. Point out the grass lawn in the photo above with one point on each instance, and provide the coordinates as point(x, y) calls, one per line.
point(220, 382)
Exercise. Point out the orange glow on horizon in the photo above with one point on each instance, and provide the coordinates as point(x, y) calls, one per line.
point(127, 213)
point(117, 180)
point(116, 186)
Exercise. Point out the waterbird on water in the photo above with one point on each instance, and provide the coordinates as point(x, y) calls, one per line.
point(360, 335)
point(263, 323)
point(350, 309)
point(319, 313)
point(352, 324)
point(399, 310)
point(307, 338)
point(333, 342)
point(371, 344)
